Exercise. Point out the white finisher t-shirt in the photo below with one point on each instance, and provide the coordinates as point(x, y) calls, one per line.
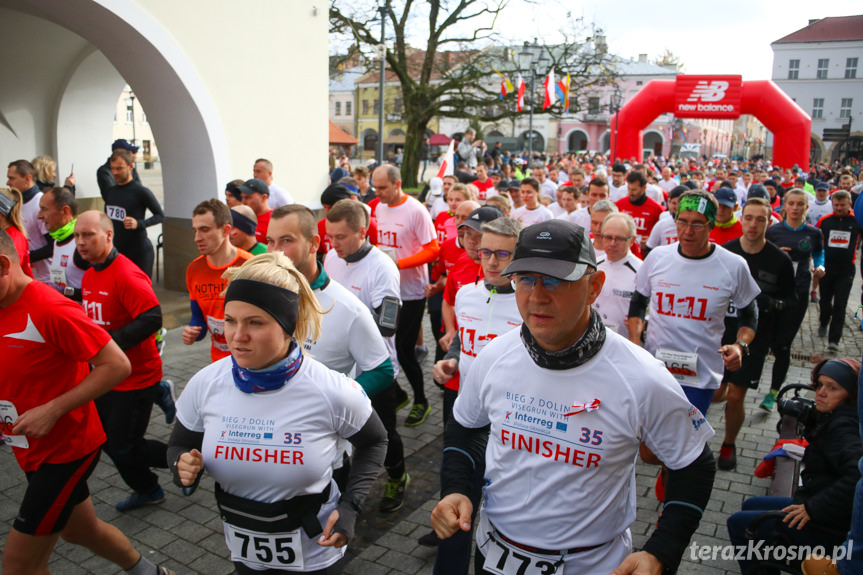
point(63, 271)
point(689, 299)
point(557, 210)
point(529, 217)
point(664, 232)
point(570, 472)
point(613, 301)
point(581, 217)
point(818, 211)
point(406, 228)
point(481, 317)
point(371, 279)
point(275, 445)
point(36, 231)
point(615, 192)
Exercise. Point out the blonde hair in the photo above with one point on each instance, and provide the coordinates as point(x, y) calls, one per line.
point(277, 269)
point(14, 217)
point(45, 167)
point(501, 201)
point(467, 192)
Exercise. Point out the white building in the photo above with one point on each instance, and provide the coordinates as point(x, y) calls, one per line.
point(819, 67)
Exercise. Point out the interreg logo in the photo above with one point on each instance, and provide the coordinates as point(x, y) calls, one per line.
point(708, 92)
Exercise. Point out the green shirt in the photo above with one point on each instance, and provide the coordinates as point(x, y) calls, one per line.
point(258, 249)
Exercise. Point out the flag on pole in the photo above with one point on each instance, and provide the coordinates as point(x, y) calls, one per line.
point(562, 90)
point(549, 90)
point(505, 85)
point(446, 166)
point(520, 101)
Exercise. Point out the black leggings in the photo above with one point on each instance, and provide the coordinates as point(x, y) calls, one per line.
point(142, 255)
point(125, 416)
point(789, 324)
point(384, 405)
point(835, 288)
point(410, 323)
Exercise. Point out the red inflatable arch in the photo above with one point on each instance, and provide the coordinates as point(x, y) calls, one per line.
point(721, 97)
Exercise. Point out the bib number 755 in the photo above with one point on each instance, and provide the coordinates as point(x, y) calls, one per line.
point(275, 550)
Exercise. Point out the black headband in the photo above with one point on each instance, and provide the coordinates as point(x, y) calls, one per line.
point(243, 223)
point(842, 373)
point(281, 303)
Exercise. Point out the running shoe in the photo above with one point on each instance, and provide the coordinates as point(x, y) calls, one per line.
point(167, 400)
point(813, 296)
point(421, 352)
point(769, 401)
point(394, 494)
point(832, 347)
point(419, 413)
point(160, 341)
point(430, 539)
point(822, 331)
point(137, 500)
point(727, 457)
point(402, 398)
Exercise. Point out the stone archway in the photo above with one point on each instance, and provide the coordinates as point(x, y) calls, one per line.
point(577, 140)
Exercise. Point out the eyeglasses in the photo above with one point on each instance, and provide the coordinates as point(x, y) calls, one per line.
point(615, 239)
point(694, 226)
point(527, 283)
point(499, 254)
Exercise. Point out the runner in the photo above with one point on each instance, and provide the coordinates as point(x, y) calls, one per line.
point(552, 393)
point(350, 342)
point(774, 274)
point(643, 209)
point(803, 243)
point(118, 296)
point(532, 211)
point(58, 210)
point(665, 230)
point(211, 220)
point(51, 423)
point(619, 266)
point(406, 234)
point(280, 508)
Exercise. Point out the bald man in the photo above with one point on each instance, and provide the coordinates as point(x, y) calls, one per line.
point(244, 222)
point(118, 296)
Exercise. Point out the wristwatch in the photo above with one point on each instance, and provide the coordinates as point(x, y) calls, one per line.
point(744, 347)
point(68, 291)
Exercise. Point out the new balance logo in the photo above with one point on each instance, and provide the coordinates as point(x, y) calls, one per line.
point(712, 92)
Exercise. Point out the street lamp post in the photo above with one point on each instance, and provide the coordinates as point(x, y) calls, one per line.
point(382, 54)
point(132, 110)
point(616, 100)
point(529, 58)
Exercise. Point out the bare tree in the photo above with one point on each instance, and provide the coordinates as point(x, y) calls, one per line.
point(452, 75)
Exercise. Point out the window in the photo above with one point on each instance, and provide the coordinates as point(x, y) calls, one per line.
point(845, 109)
point(851, 68)
point(348, 106)
point(817, 108)
point(377, 107)
point(823, 64)
point(793, 69)
point(398, 104)
point(365, 107)
point(593, 105)
point(338, 108)
point(639, 83)
point(130, 113)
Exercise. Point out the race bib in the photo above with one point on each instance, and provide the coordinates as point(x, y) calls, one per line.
point(8, 416)
point(58, 276)
point(217, 330)
point(682, 365)
point(503, 558)
point(274, 550)
point(839, 239)
point(116, 213)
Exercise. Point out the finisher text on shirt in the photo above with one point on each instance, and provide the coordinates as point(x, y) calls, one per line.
point(549, 449)
point(259, 455)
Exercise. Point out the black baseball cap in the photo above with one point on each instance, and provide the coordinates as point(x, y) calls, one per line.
point(334, 193)
point(514, 184)
point(556, 248)
point(758, 191)
point(232, 189)
point(480, 216)
point(254, 185)
point(122, 144)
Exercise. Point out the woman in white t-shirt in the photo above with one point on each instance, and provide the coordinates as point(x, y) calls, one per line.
point(265, 423)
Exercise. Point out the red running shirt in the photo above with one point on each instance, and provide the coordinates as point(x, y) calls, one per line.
point(115, 296)
point(46, 341)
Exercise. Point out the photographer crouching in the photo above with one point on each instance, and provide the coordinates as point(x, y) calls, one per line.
point(819, 514)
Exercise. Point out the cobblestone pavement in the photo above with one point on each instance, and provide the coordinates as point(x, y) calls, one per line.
point(185, 534)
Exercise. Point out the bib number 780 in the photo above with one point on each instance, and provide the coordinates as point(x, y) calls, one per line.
point(275, 550)
point(504, 559)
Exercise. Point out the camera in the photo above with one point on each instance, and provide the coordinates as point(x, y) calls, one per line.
point(800, 408)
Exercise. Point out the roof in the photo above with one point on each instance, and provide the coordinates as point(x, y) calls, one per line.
point(339, 136)
point(834, 29)
point(626, 67)
point(344, 81)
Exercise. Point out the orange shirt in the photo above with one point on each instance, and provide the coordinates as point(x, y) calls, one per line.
point(205, 285)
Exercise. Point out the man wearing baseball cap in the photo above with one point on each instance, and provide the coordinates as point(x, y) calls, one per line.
point(600, 396)
point(728, 226)
point(256, 195)
point(104, 177)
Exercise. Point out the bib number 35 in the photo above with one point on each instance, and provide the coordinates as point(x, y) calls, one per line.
point(274, 550)
point(504, 559)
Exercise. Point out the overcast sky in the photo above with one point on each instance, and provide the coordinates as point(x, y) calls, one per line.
point(710, 37)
